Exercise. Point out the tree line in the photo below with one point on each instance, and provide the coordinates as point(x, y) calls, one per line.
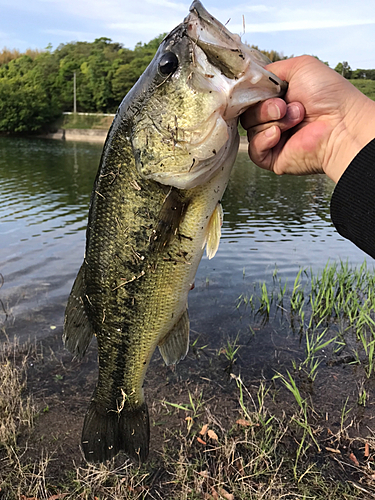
point(37, 86)
point(345, 70)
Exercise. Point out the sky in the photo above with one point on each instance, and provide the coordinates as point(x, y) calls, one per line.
point(333, 30)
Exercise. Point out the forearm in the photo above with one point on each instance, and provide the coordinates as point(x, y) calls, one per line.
point(352, 129)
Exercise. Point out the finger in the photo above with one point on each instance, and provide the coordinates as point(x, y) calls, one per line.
point(266, 111)
point(295, 113)
point(261, 146)
point(266, 141)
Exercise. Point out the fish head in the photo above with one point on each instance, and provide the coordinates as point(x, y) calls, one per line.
point(236, 70)
point(200, 80)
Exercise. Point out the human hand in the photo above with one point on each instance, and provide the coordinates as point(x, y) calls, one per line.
point(319, 128)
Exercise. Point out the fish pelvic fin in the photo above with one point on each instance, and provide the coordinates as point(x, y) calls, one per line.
point(213, 233)
point(106, 433)
point(77, 327)
point(175, 345)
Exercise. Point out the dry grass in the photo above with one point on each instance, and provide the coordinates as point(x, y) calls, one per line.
point(16, 410)
point(17, 415)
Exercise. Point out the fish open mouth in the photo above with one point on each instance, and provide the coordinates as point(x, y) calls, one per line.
point(241, 69)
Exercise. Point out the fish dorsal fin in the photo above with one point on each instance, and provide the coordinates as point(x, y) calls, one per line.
point(170, 216)
point(175, 345)
point(213, 231)
point(77, 327)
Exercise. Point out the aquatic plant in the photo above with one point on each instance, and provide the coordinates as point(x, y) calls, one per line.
point(326, 308)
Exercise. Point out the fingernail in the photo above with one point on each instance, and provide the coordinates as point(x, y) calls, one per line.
point(270, 132)
point(273, 111)
point(293, 112)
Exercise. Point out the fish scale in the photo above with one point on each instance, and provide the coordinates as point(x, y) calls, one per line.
point(155, 205)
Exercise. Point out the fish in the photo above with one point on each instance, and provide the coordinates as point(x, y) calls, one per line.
point(155, 206)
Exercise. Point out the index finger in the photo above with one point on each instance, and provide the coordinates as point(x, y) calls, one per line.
point(264, 112)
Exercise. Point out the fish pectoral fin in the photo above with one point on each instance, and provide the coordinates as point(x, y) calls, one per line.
point(175, 345)
point(77, 327)
point(170, 216)
point(213, 232)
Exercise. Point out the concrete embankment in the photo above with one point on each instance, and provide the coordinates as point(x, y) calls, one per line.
point(99, 135)
point(76, 134)
point(243, 145)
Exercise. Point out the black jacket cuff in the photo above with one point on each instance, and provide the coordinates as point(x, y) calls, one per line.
point(353, 201)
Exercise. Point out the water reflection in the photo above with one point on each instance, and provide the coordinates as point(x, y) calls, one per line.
point(45, 189)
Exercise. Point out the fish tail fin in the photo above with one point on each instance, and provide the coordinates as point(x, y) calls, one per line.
point(106, 433)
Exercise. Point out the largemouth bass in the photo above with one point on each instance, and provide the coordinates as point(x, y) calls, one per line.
point(155, 205)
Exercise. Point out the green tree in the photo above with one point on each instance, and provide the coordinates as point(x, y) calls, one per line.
point(130, 67)
point(344, 69)
point(368, 74)
point(37, 86)
point(27, 97)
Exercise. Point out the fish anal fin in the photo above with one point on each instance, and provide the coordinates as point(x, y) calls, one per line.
point(213, 233)
point(175, 345)
point(106, 433)
point(170, 216)
point(77, 327)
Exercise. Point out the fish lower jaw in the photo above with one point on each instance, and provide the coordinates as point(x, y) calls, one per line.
point(256, 84)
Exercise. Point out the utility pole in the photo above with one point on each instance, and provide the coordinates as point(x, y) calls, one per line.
point(74, 94)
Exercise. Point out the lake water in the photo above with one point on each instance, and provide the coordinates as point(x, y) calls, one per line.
point(45, 188)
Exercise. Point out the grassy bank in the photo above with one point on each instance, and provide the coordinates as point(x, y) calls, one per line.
point(84, 121)
point(221, 427)
point(365, 86)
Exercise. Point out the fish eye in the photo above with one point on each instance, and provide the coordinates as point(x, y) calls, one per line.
point(168, 63)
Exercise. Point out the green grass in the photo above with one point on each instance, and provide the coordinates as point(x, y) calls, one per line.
point(365, 86)
point(328, 308)
point(86, 121)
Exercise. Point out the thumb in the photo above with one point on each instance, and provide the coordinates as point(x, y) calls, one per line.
point(299, 151)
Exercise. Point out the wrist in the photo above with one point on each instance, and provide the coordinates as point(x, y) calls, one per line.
point(352, 133)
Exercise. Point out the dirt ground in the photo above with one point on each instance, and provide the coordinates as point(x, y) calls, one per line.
point(61, 389)
point(341, 444)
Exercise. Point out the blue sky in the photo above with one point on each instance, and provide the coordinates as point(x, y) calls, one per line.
point(333, 30)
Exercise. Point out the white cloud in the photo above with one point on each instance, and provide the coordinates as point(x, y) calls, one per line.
point(73, 35)
point(179, 7)
point(303, 24)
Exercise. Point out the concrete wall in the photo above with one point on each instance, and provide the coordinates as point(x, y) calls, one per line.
point(76, 134)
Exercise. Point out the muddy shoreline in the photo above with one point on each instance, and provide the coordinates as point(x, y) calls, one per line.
point(206, 385)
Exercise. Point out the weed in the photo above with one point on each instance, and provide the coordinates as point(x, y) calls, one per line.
point(193, 408)
point(344, 414)
point(301, 420)
point(230, 351)
point(324, 308)
point(197, 349)
point(265, 302)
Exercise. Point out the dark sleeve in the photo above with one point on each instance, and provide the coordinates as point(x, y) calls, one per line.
point(353, 201)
